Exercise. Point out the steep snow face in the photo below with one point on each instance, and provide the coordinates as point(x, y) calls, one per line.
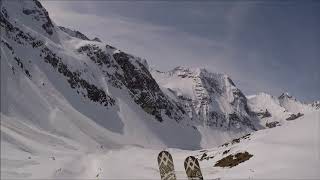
point(86, 91)
point(274, 111)
point(209, 98)
point(95, 94)
point(74, 33)
point(73, 108)
point(77, 34)
point(291, 104)
point(30, 15)
point(268, 109)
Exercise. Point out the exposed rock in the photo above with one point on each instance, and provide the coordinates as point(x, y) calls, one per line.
point(74, 33)
point(208, 96)
point(96, 39)
point(40, 14)
point(294, 116)
point(233, 160)
point(264, 114)
point(144, 89)
point(272, 124)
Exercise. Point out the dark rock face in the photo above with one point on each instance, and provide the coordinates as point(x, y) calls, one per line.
point(272, 124)
point(15, 33)
point(96, 55)
point(74, 33)
point(19, 61)
point(104, 61)
point(40, 14)
point(208, 90)
point(285, 95)
point(96, 39)
point(124, 70)
point(233, 160)
point(121, 70)
point(93, 93)
point(144, 89)
point(264, 114)
point(78, 34)
point(235, 118)
point(294, 116)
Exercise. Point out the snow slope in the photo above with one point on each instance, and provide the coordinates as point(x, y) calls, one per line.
point(272, 109)
point(81, 89)
point(210, 98)
point(278, 153)
point(92, 92)
point(78, 108)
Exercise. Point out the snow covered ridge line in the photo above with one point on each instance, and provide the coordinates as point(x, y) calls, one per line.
point(276, 111)
point(77, 34)
point(73, 77)
point(135, 76)
point(77, 109)
point(130, 72)
point(210, 98)
point(123, 70)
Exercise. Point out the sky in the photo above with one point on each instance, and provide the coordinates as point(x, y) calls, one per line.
point(265, 46)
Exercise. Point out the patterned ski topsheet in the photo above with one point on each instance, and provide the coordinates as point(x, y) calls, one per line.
point(192, 167)
point(166, 166)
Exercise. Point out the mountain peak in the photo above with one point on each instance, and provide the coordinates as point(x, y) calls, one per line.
point(183, 71)
point(285, 95)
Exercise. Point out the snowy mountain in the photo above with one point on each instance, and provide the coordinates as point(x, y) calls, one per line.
point(77, 34)
point(291, 104)
point(101, 93)
point(75, 107)
point(70, 81)
point(209, 98)
point(275, 111)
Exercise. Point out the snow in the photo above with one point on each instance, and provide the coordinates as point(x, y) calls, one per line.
point(264, 101)
point(50, 132)
point(280, 108)
point(278, 153)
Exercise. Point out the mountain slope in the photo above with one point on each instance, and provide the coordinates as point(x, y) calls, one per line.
point(275, 111)
point(72, 107)
point(71, 82)
point(211, 99)
point(103, 94)
point(277, 153)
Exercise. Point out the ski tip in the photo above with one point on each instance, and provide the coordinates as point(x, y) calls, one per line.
point(192, 168)
point(190, 159)
point(164, 153)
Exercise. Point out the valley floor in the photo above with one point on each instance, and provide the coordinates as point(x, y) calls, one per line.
point(291, 151)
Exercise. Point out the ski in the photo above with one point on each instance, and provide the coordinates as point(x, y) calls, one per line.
point(166, 166)
point(192, 167)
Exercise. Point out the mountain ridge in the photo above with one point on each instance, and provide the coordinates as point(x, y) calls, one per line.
point(103, 84)
point(78, 108)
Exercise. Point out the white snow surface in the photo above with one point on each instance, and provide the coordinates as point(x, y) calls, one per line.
point(280, 108)
point(50, 132)
point(278, 153)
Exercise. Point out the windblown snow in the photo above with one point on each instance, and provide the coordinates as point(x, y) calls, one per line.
point(77, 108)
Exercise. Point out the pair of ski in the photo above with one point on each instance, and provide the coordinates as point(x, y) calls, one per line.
point(166, 167)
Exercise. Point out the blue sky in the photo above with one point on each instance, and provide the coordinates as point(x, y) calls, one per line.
point(269, 46)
